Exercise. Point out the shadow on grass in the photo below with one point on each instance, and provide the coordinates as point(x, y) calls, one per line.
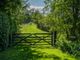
point(24, 52)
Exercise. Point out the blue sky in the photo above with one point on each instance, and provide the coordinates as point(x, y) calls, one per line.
point(36, 2)
point(37, 5)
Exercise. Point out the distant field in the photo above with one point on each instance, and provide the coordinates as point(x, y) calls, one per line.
point(30, 28)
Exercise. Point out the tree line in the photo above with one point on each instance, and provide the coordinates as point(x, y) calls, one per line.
point(12, 12)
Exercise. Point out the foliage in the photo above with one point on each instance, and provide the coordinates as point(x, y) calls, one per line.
point(11, 14)
point(64, 15)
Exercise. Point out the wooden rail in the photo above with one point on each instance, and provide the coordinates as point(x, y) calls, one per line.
point(37, 37)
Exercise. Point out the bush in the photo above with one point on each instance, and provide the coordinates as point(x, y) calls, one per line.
point(71, 47)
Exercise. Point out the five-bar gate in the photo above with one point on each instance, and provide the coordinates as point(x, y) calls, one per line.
point(35, 38)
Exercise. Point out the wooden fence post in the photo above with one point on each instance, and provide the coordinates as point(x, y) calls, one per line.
point(53, 38)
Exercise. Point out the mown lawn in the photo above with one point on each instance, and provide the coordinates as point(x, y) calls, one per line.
point(39, 52)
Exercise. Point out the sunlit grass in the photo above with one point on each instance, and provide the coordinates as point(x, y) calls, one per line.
point(24, 52)
point(39, 52)
point(29, 28)
point(48, 51)
point(55, 54)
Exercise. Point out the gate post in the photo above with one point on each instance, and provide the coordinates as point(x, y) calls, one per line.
point(53, 38)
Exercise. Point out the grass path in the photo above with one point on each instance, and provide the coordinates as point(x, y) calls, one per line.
point(30, 28)
point(24, 52)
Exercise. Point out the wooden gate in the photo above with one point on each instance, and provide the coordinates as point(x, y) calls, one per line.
point(35, 38)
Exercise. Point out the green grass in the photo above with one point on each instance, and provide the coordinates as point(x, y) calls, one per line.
point(24, 52)
point(39, 52)
point(29, 28)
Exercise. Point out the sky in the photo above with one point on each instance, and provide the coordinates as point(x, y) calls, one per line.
point(37, 4)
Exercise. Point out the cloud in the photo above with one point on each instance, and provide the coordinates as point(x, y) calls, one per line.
point(40, 8)
point(37, 7)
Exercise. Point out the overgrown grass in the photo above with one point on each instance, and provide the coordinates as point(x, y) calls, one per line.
point(39, 52)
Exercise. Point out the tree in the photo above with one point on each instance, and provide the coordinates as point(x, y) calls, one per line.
point(12, 12)
point(65, 18)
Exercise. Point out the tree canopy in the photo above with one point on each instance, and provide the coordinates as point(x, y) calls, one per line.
point(11, 14)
